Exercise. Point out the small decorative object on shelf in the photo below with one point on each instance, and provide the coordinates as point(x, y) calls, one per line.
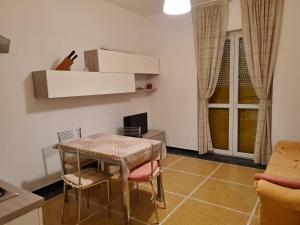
point(149, 85)
point(67, 62)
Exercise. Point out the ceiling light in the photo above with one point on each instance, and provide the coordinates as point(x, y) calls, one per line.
point(177, 7)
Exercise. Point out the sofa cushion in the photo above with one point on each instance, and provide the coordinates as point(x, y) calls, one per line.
point(285, 182)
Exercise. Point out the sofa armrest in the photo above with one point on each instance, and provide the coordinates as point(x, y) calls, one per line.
point(278, 196)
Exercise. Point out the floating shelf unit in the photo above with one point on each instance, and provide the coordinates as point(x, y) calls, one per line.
point(58, 84)
point(144, 67)
point(111, 73)
point(101, 60)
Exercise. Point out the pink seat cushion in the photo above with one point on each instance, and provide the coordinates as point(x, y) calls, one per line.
point(285, 182)
point(143, 173)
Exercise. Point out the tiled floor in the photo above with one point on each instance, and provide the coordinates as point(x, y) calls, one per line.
point(198, 192)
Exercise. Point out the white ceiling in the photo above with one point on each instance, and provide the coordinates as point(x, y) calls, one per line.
point(143, 7)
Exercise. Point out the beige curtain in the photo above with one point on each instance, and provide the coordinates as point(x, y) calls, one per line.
point(261, 20)
point(210, 25)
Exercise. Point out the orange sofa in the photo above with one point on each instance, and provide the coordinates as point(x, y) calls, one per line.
point(281, 205)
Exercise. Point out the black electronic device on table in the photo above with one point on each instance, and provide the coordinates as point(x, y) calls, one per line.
point(137, 120)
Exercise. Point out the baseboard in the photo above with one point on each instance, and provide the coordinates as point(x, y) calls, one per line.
point(215, 157)
point(51, 190)
point(182, 151)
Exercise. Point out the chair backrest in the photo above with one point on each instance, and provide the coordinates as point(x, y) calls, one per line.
point(130, 131)
point(68, 135)
point(64, 136)
point(154, 159)
point(70, 153)
point(160, 154)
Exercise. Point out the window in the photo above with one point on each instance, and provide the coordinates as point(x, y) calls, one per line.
point(233, 108)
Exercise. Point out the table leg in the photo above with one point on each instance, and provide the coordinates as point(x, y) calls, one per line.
point(106, 168)
point(159, 188)
point(126, 200)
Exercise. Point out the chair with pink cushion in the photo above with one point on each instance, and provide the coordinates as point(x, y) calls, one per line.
point(147, 172)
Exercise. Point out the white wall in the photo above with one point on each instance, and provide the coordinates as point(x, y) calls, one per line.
point(42, 32)
point(286, 91)
point(174, 105)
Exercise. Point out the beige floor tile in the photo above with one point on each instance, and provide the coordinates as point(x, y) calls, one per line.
point(53, 208)
point(254, 221)
point(98, 194)
point(144, 210)
point(170, 159)
point(180, 183)
point(226, 194)
point(191, 212)
point(102, 219)
point(257, 210)
point(197, 213)
point(198, 166)
point(238, 174)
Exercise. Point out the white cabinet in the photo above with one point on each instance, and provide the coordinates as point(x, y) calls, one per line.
point(57, 84)
point(100, 60)
point(34, 217)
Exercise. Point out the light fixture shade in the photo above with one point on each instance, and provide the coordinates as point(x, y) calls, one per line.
point(177, 7)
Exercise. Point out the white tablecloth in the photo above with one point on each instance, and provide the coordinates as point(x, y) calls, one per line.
point(129, 151)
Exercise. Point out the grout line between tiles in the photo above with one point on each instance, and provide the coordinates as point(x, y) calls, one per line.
point(92, 214)
point(113, 201)
point(112, 210)
point(91, 202)
point(115, 211)
point(195, 174)
point(170, 192)
point(253, 212)
point(182, 171)
point(132, 218)
point(187, 197)
point(220, 206)
point(209, 203)
point(171, 164)
point(231, 182)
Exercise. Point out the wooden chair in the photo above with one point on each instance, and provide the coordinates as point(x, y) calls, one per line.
point(147, 172)
point(81, 179)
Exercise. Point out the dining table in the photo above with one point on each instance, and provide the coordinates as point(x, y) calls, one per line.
point(126, 152)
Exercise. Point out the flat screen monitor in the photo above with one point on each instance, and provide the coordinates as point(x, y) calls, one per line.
point(137, 120)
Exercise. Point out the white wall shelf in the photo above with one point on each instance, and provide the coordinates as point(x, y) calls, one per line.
point(58, 84)
point(100, 60)
point(146, 90)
